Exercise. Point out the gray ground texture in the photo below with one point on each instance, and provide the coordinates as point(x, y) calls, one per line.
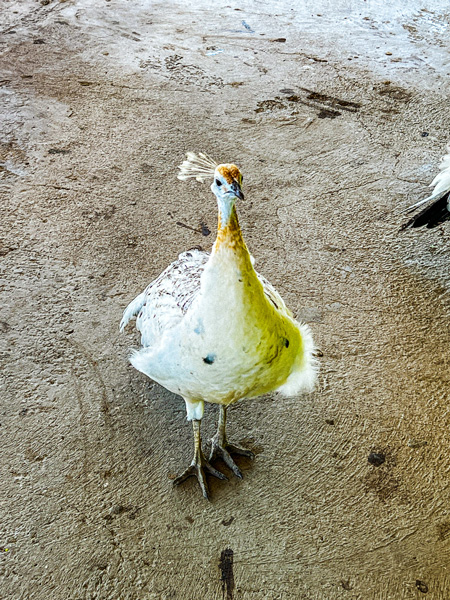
point(337, 114)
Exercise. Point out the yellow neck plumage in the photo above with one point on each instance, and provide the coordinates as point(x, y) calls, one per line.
point(229, 233)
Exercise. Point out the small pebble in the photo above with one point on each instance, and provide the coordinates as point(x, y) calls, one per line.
point(376, 458)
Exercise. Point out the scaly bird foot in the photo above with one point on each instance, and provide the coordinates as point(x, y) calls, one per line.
point(198, 468)
point(222, 449)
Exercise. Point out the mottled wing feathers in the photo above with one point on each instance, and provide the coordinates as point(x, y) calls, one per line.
point(166, 300)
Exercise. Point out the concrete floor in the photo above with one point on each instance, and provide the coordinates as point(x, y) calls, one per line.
point(337, 114)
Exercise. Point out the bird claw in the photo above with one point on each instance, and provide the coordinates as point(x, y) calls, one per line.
point(198, 468)
point(224, 450)
point(235, 449)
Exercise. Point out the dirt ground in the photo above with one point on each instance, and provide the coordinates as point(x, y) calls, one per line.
point(337, 114)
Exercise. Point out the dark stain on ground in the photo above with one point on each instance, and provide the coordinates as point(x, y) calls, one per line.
point(314, 100)
point(316, 59)
point(421, 586)
point(385, 486)
point(33, 456)
point(58, 151)
point(443, 530)
point(204, 228)
point(227, 522)
point(265, 105)
point(4, 327)
point(395, 93)
point(344, 104)
point(382, 480)
point(346, 585)
point(227, 577)
point(328, 114)
point(118, 509)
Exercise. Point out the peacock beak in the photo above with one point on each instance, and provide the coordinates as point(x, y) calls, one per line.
point(235, 188)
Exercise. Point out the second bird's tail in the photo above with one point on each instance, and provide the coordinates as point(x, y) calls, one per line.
point(438, 204)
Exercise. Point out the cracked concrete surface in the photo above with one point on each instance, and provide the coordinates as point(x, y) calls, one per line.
point(337, 114)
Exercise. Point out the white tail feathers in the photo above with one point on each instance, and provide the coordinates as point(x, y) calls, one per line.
point(303, 376)
point(132, 310)
point(199, 166)
point(441, 182)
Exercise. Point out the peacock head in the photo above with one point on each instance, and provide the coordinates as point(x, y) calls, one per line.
point(227, 178)
point(227, 183)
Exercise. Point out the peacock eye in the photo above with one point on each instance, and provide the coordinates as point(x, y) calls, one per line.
point(218, 183)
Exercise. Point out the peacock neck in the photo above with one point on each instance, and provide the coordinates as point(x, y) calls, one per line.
point(229, 276)
point(229, 234)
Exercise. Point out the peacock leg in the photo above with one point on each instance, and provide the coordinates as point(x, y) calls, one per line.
point(221, 448)
point(199, 465)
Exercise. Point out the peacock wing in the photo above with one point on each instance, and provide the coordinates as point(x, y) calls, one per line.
point(166, 300)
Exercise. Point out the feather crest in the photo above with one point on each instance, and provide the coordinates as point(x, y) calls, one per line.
point(200, 166)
